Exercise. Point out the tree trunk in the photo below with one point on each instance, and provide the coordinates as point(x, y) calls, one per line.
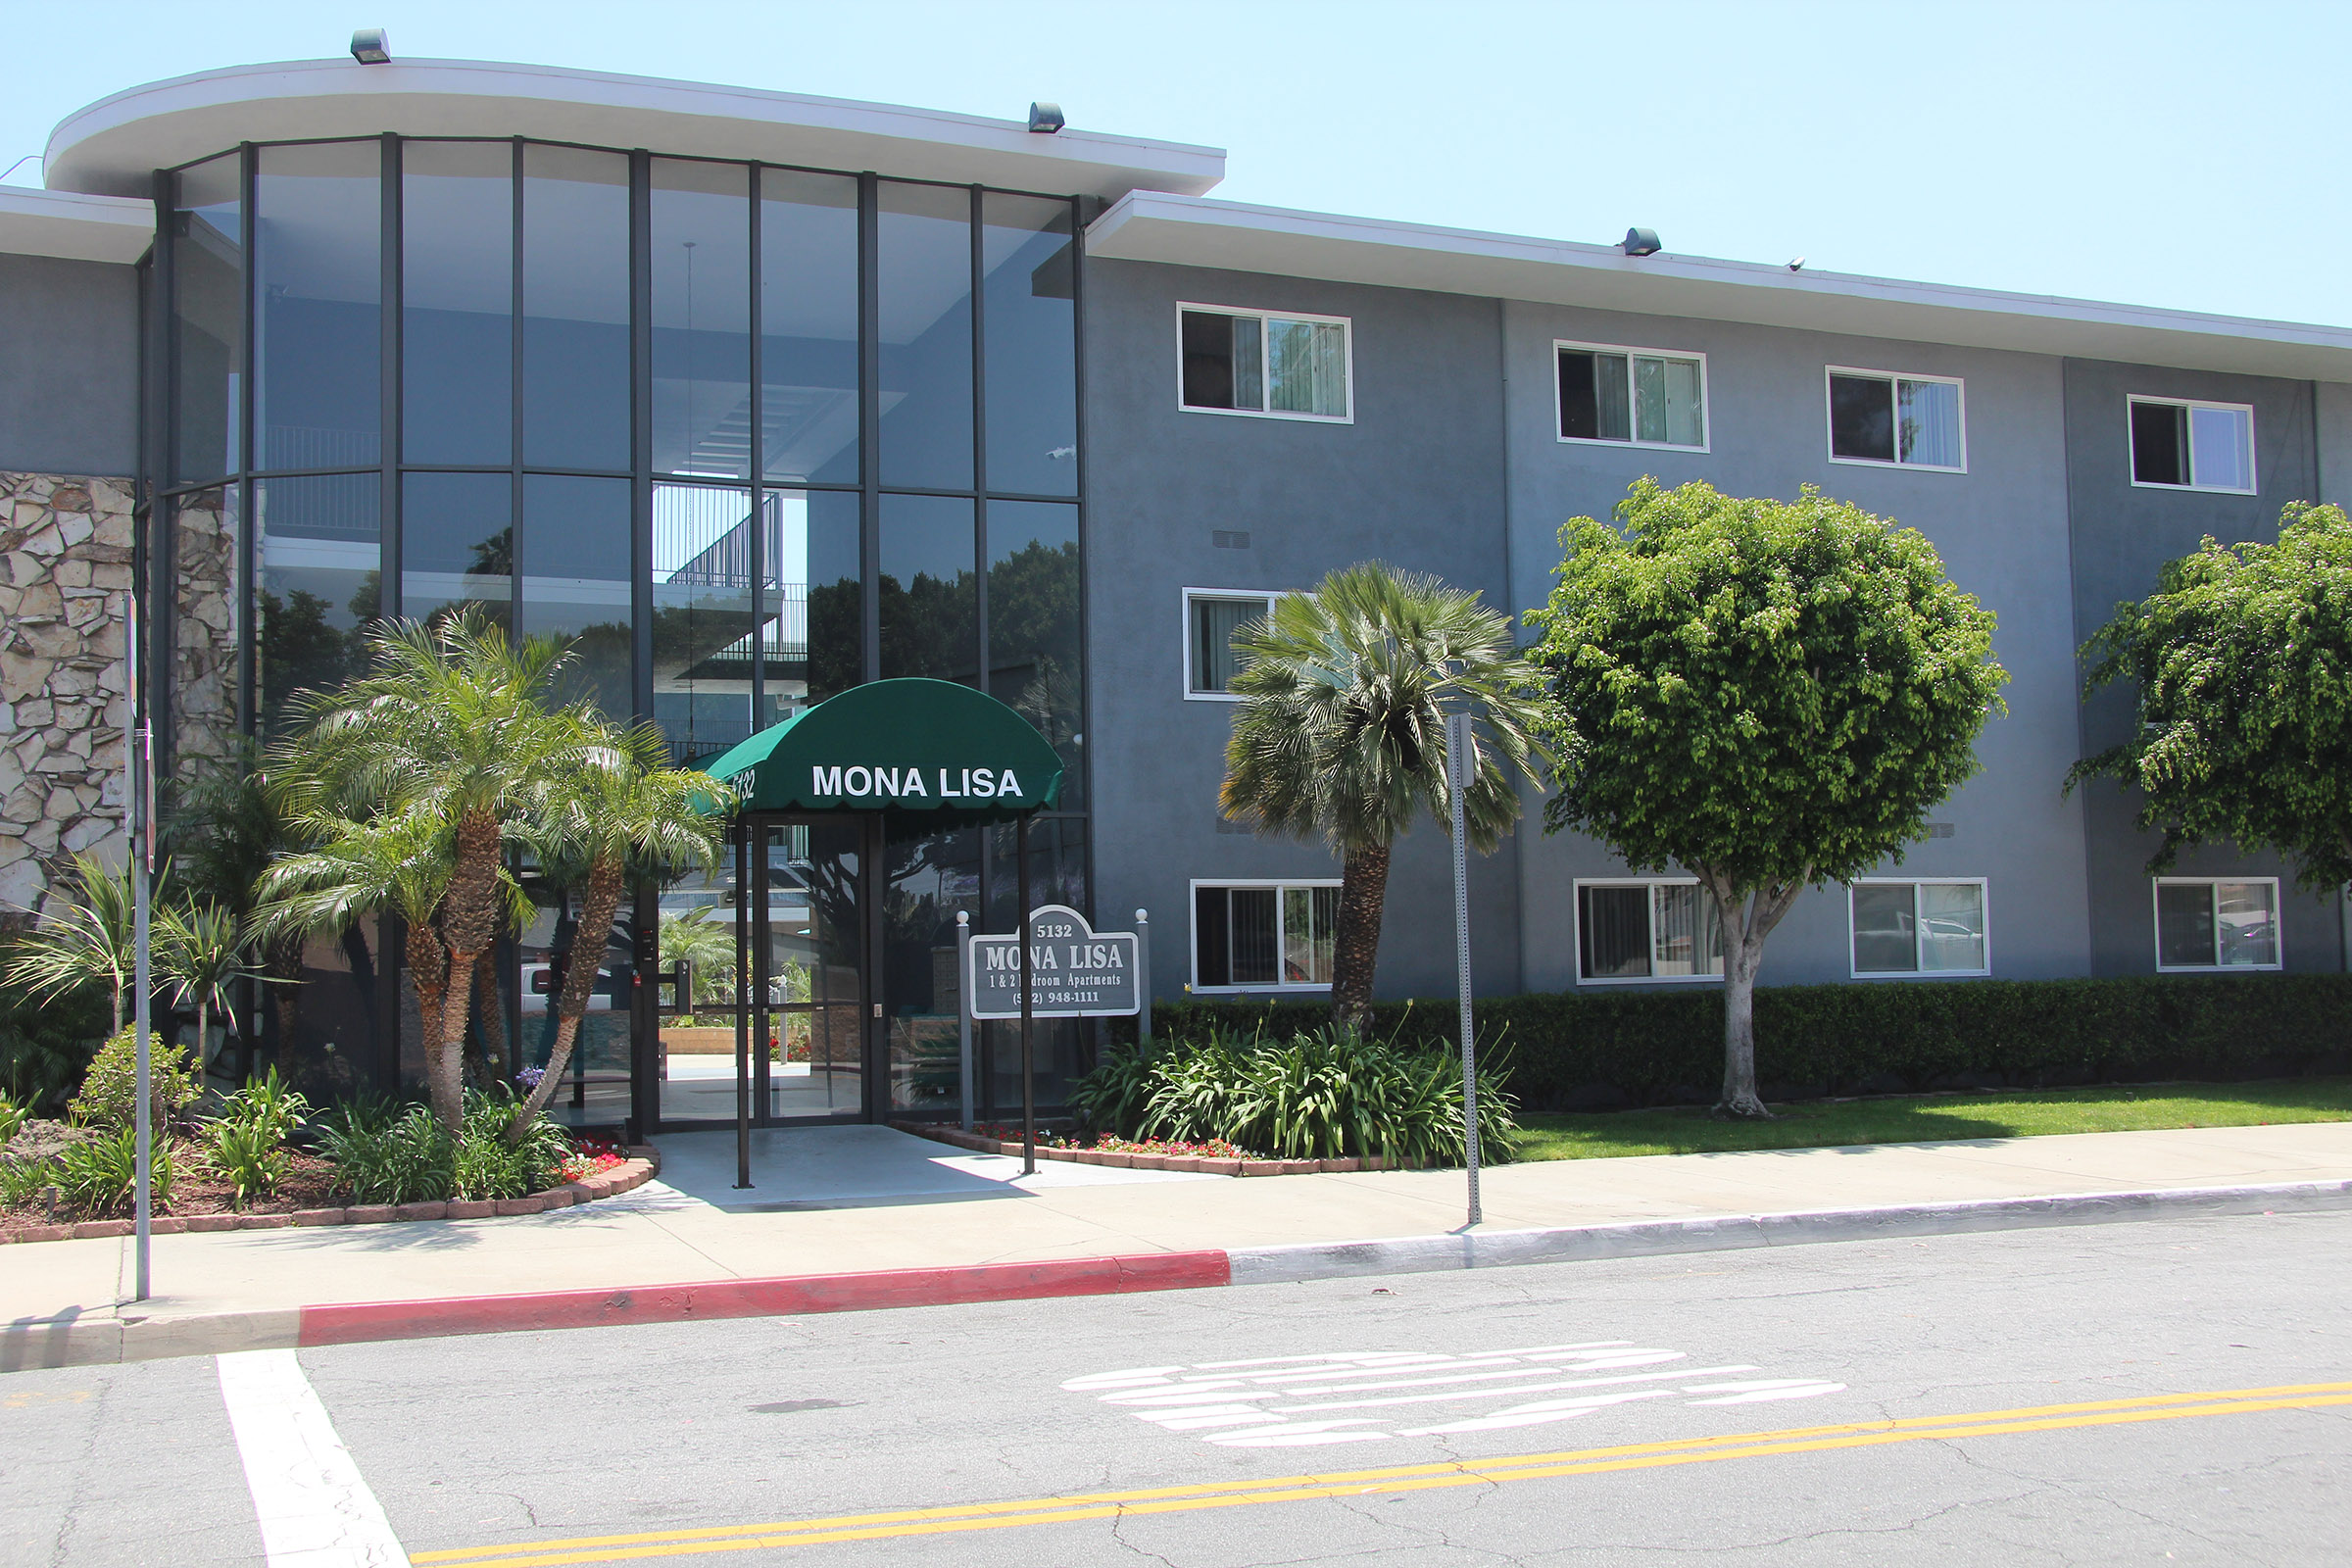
point(1747, 919)
point(1355, 945)
point(581, 965)
point(486, 1044)
point(428, 977)
point(471, 916)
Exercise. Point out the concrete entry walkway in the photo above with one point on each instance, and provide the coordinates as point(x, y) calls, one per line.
point(855, 1166)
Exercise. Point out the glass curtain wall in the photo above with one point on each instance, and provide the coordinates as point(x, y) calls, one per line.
point(629, 400)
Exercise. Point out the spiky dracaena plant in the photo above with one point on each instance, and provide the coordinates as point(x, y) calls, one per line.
point(624, 815)
point(453, 733)
point(1340, 734)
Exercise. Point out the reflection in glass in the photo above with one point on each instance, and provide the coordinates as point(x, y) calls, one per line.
point(1951, 927)
point(930, 588)
point(703, 616)
point(1034, 642)
point(595, 1090)
point(1612, 932)
point(2247, 924)
point(1310, 924)
point(2184, 924)
point(456, 545)
point(320, 554)
point(923, 266)
point(456, 235)
point(811, 966)
point(204, 645)
point(320, 1030)
point(1686, 930)
point(1885, 933)
point(702, 327)
point(208, 319)
point(1029, 294)
point(1057, 875)
point(317, 317)
point(576, 305)
point(929, 877)
point(809, 324)
point(814, 638)
point(575, 581)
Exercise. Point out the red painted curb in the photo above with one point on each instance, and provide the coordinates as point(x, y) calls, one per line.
point(358, 1322)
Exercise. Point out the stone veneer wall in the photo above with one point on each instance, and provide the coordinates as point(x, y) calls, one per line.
point(65, 564)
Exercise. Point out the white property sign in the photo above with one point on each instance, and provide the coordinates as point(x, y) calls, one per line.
point(1074, 970)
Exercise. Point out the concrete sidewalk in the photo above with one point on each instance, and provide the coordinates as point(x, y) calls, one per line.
point(858, 1202)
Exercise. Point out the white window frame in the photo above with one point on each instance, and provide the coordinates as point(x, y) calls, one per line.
point(1983, 907)
point(2253, 466)
point(1191, 933)
point(1828, 420)
point(1185, 635)
point(1576, 928)
point(2156, 923)
point(1346, 322)
point(1706, 411)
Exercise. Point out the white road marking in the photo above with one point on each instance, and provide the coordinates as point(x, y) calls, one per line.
point(313, 1509)
point(1283, 1402)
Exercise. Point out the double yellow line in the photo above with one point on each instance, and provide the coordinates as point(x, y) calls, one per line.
point(1077, 1506)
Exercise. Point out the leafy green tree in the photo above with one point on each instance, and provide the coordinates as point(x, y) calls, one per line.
point(622, 812)
point(1771, 694)
point(2241, 662)
point(438, 752)
point(1340, 733)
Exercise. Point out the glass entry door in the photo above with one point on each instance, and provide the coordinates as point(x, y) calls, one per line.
point(810, 1008)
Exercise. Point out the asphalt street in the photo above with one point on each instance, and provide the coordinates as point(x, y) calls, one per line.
point(2123, 1394)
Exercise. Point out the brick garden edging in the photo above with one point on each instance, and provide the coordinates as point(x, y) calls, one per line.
point(643, 1164)
point(1202, 1163)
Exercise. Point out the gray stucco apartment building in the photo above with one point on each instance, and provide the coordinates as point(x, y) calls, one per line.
point(763, 396)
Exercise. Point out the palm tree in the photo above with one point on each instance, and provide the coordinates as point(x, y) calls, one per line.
point(90, 942)
point(626, 814)
point(453, 733)
point(202, 951)
point(1341, 733)
point(695, 938)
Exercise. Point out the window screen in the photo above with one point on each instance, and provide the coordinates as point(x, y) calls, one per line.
point(1213, 624)
point(1264, 363)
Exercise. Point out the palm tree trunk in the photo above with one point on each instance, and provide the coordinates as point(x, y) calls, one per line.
point(490, 1011)
point(1355, 945)
point(581, 965)
point(469, 921)
point(428, 977)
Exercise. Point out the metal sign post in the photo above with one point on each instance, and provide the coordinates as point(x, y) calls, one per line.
point(1142, 980)
point(745, 996)
point(964, 1009)
point(1028, 1005)
point(1459, 762)
point(139, 854)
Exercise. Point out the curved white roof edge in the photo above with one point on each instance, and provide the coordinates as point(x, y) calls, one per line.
point(73, 227)
point(1194, 232)
point(112, 146)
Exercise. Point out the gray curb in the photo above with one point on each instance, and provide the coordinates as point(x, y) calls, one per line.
point(1427, 1255)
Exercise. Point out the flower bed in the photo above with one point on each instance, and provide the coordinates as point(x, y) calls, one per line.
point(1214, 1158)
point(200, 1203)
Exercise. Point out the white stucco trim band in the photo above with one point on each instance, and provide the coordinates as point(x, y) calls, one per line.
point(112, 146)
point(1193, 232)
point(73, 226)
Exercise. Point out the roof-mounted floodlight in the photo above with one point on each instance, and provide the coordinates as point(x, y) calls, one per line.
point(370, 47)
point(1045, 119)
point(1641, 242)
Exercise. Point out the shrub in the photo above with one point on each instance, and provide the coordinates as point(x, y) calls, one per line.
point(1324, 1094)
point(45, 1045)
point(1592, 1050)
point(404, 1157)
point(251, 1155)
point(383, 1154)
point(22, 1181)
point(11, 1117)
point(96, 1176)
point(109, 1095)
point(267, 1104)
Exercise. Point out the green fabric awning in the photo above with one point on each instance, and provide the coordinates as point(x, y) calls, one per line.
point(898, 746)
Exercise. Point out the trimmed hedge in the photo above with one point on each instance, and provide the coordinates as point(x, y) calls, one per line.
point(1573, 1050)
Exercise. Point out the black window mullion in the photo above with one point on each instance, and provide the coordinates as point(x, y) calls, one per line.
point(641, 429)
point(756, 546)
point(1078, 397)
point(869, 421)
point(515, 420)
point(980, 443)
point(389, 296)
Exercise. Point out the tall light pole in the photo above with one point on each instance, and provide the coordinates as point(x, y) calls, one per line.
point(138, 815)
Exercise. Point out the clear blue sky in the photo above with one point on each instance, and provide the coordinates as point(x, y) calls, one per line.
point(2184, 155)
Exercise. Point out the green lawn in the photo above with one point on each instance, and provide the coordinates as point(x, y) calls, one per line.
point(1921, 1118)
